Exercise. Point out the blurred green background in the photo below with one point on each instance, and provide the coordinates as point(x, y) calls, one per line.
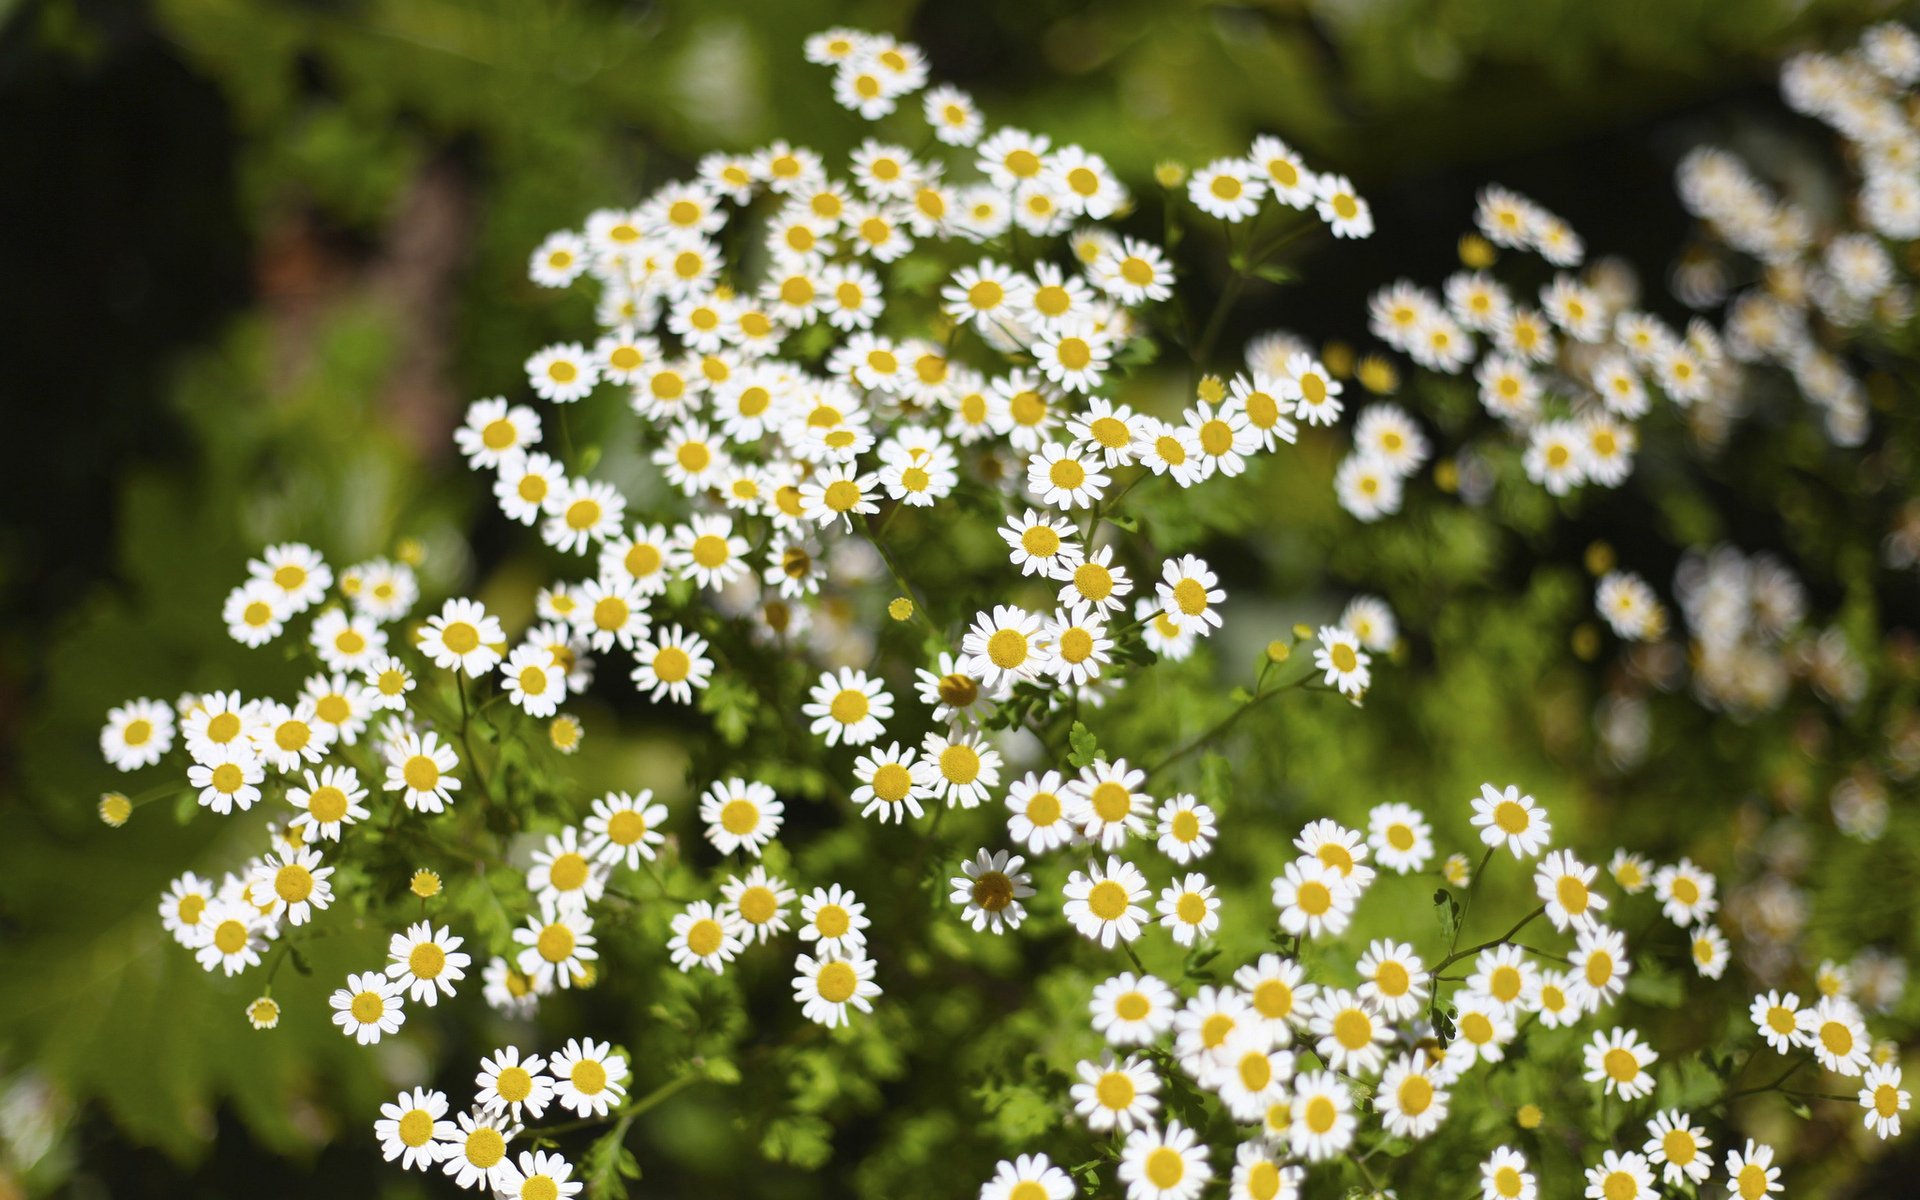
point(261, 256)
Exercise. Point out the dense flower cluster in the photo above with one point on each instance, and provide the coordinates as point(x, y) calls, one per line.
point(1827, 272)
point(789, 359)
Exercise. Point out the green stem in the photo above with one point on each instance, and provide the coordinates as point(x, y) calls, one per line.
point(1502, 940)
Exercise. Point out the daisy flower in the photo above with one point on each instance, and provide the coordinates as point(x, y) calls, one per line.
point(1685, 892)
point(538, 1176)
point(1073, 355)
point(1104, 904)
point(609, 612)
point(533, 682)
point(1345, 213)
point(1189, 589)
point(759, 901)
point(1185, 829)
point(672, 663)
point(184, 907)
point(1509, 818)
point(1043, 544)
point(368, 1007)
point(1029, 1177)
point(1562, 883)
point(1311, 389)
point(1367, 487)
point(524, 485)
point(588, 1077)
point(1503, 975)
point(1312, 898)
point(229, 936)
point(1323, 1120)
point(1038, 805)
point(1400, 837)
point(1059, 476)
point(826, 987)
point(418, 767)
point(1483, 1026)
point(1710, 952)
point(705, 936)
point(136, 734)
point(1002, 647)
point(1279, 994)
point(835, 920)
point(1164, 1164)
point(564, 874)
point(1133, 272)
point(1132, 1010)
point(1504, 1176)
point(892, 782)
point(1346, 666)
point(509, 1084)
point(1837, 1036)
point(1618, 1060)
point(1883, 1099)
point(1106, 805)
point(285, 738)
point(1751, 1174)
point(1258, 1174)
point(1227, 188)
point(1778, 1020)
point(707, 550)
point(462, 636)
point(297, 573)
point(557, 944)
point(295, 883)
point(253, 613)
point(390, 681)
point(962, 771)
point(1337, 847)
point(1115, 1093)
point(625, 828)
point(1620, 1176)
point(739, 815)
point(849, 708)
point(956, 122)
point(1204, 1024)
point(1410, 1100)
point(991, 887)
point(227, 778)
point(1551, 995)
point(508, 990)
point(1393, 979)
point(494, 429)
point(1189, 910)
point(410, 1125)
point(1169, 450)
point(1679, 1148)
point(428, 961)
point(1078, 638)
point(562, 373)
point(1349, 1031)
point(1599, 969)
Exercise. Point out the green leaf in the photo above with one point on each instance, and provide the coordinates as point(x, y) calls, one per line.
point(1086, 748)
point(1448, 910)
point(803, 1141)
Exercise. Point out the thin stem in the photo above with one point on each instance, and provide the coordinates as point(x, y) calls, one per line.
point(1134, 956)
point(899, 580)
point(1502, 940)
point(1466, 904)
point(1218, 320)
point(625, 1115)
point(1225, 724)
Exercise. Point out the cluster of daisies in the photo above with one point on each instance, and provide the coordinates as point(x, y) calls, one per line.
point(1566, 366)
point(1748, 635)
point(1302, 1063)
point(1824, 267)
point(585, 1078)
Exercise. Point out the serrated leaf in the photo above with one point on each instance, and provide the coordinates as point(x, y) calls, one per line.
point(1086, 747)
